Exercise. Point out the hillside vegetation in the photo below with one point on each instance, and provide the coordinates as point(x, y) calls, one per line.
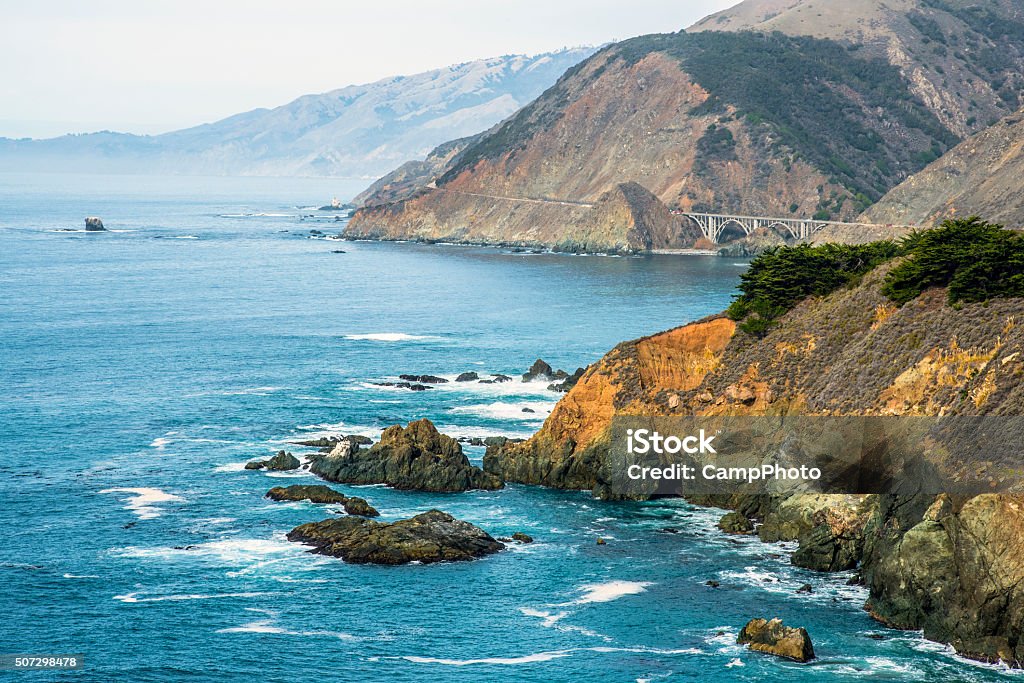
point(976, 261)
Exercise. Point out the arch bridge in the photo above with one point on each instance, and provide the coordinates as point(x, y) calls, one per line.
point(713, 225)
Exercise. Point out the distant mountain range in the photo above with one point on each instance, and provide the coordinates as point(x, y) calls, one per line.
point(360, 130)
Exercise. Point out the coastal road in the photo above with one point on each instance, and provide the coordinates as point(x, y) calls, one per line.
point(561, 202)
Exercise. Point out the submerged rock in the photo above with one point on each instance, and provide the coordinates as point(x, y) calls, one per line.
point(403, 385)
point(318, 493)
point(94, 224)
point(416, 457)
point(433, 536)
point(520, 537)
point(776, 639)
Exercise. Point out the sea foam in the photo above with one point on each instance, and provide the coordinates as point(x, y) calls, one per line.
point(142, 503)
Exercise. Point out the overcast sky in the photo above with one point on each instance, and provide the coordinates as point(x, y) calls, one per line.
point(149, 66)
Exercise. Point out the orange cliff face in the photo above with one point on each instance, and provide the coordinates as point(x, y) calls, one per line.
point(850, 353)
point(629, 380)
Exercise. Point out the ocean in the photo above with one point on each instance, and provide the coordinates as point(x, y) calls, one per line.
point(142, 367)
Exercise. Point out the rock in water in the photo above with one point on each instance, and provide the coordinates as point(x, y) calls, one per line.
point(735, 523)
point(318, 493)
point(282, 461)
point(433, 536)
point(776, 639)
point(417, 457)
point(423, 379)
point(467, 377)
point(539, 370)
point(94, 224)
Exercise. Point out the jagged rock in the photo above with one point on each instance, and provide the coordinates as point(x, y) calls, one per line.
point(774, 638)
point(94, 224)
point(806, 588)
point(467, 377)
point(282, 461)
point(359, 439)
point(569, 382)
point(521, 537)
point(416, 457)
point(318, 493)
point(735, 523)
point(501, 379)
point(539, 370)
point(423, 379)
point(433, 536)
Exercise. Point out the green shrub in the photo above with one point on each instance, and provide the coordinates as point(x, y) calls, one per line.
point(781, 277)
point(976, 260)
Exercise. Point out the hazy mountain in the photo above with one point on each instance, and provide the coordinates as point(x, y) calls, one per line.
point(357, 130)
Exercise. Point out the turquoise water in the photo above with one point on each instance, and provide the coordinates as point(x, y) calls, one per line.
point(139, 375)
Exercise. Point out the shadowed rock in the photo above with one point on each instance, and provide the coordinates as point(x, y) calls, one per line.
point(94, 224)
point(417, 457)
point(433, 536)
point(776, 639)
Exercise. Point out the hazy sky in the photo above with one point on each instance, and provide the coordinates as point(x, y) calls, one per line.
point(154, 65)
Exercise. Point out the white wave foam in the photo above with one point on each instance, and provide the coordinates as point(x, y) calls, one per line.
point(525, 659)
point(267, 626)
point(390, 337)
point(548, 656)
point(159, 443)
point(143, 500)
point(183, 237)
point(501, 410)
point(734, 662)
point(134, 597)
point(231, 551)
point(231, 467)
point(607, 591)
point(81, 576)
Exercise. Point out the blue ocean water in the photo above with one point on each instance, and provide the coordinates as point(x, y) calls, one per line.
point(143, 367)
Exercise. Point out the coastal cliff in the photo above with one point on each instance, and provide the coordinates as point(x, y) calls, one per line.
point(952, 567)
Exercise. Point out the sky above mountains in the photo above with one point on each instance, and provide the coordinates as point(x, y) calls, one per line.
point(161, 65)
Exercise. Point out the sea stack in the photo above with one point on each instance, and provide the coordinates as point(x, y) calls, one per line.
point(94, 224)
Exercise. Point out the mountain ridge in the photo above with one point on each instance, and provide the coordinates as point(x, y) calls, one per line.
point(721, 122)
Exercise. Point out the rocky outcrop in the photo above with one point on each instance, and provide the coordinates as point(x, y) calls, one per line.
point(735, 523)
point(777, 639)
point(423, 379)
point(953, 568)
point(467, 377)
point(318, 493)
point(430, 537)
point(416, 457)
point(568, 451)
point(281, 462)
point(93, 224)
